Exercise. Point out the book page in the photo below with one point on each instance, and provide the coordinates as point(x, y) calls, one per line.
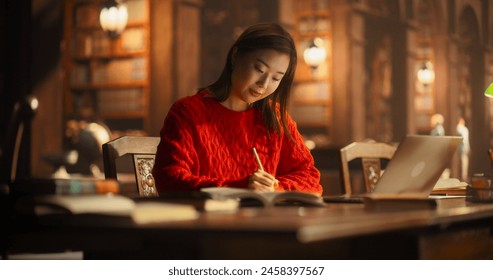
point(450, 183)
point(154, 212)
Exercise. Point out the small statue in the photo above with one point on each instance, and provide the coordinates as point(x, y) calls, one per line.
point(437, 125)
point(464, 148)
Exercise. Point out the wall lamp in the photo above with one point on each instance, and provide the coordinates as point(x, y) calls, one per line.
point(315, 53)
point(426, 74)
point(113, 17)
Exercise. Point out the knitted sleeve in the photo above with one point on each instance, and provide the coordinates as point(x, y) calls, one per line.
point(176, 158)
point(296, 170)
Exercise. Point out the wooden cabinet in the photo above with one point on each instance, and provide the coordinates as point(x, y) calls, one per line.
point(312, 92)
point(107, 78)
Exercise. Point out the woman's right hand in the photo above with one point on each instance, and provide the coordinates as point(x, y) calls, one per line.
point(262, 181)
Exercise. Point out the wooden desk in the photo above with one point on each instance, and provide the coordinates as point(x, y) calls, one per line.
point(455, 230)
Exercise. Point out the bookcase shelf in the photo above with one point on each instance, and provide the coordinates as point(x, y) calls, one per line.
point(122, 85)
point(116, 55)
point(126, 115)
point(109, 78)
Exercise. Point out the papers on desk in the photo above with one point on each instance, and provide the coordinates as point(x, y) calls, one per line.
point(155, 212)
point(114, 205)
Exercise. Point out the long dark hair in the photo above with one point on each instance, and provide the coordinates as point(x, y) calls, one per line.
point(257, 37)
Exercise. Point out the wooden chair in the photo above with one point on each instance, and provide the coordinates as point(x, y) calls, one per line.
point(371, 154)
point(135, 151)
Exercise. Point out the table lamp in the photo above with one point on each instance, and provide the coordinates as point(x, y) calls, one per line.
point(489, 91)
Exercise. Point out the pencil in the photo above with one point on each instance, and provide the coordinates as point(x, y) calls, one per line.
point(258, 159)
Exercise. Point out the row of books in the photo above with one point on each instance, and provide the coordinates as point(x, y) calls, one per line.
point(311, 113)
point(115, 71)
point(87, 44)
point(97, 42)
point(118, 100)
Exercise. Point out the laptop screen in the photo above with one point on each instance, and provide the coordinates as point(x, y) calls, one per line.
point(417, 164)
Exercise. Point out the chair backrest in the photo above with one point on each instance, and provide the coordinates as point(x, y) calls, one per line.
point(141, 151)
point(15, 142)
point(371, 155)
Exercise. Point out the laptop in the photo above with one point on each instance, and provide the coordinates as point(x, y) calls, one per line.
point(414, 169)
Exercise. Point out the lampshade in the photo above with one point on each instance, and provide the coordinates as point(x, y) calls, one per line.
point(426, 75)
point(113, 17)
point(489, 91)
point(315, 54)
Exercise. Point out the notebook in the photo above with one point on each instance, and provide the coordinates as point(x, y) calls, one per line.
point(414, 169)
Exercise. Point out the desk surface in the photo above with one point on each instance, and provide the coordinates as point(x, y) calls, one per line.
point(336, 231)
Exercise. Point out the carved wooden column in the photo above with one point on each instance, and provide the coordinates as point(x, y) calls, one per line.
point(354, 81)
point(162, 80)
point(175, 55)
point(187, 47)
point(453, 94)
point(410, 36)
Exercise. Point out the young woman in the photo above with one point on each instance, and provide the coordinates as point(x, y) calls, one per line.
point(208, 139)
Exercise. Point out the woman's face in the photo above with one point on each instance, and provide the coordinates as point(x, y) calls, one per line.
point(255, 76)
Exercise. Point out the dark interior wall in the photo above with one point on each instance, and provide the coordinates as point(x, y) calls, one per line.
point(3, 48)
point(32, 33)
point(388, 21)
point(399, 83)
point(47, 34)
point(47, 81)
point(15, 73)
point(162, 57)
point(473, 111)
point(224, 20)
point(15, 76)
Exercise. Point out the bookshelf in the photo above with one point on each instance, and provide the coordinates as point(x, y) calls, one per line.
point(105, 78)
point(312, 97)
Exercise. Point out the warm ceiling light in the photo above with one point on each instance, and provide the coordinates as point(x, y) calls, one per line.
point(113, 17)
point(426, 75)
point(315, 54)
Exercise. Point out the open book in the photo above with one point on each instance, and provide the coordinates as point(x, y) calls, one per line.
point(449, 186)
point(253, 198)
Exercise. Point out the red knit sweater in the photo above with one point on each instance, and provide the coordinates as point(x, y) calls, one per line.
point(204, 144)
